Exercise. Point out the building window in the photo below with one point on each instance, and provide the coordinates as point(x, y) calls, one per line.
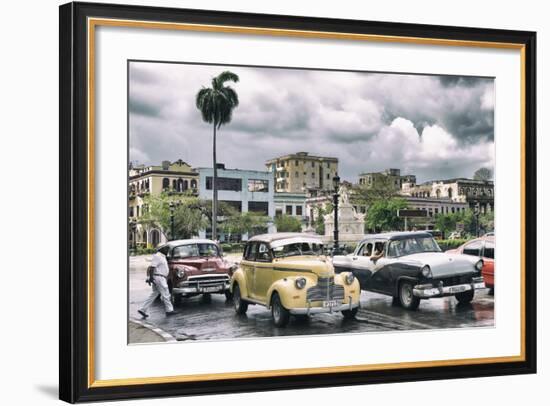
point(296, 163)
point(288, 209)
point(278, 212)
point(235, 204)
point(298, 210)
point(258, 185)
point(233, 184)
point(450, 191)
point(259, 208)
point(296, 174)
point(328, 165)
point(131, 211)
point(312, 175)
point(137, 211)
point(165, 183)
point(328, 175)
point(193, 184)
point(312, 164)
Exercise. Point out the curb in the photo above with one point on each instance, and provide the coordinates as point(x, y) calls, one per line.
point(166, 336)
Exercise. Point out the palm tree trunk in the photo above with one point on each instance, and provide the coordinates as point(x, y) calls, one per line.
point(214, 189)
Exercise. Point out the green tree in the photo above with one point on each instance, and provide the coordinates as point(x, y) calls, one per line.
point(483, 174)
point(286, 223)
point(216, 105)
point(244, 223)
point(187, 219)
point(382, 214)
point(382, 189)
point(320, 213)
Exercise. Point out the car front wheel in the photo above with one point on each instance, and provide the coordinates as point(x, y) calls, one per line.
point(240, 305)
point(280, 315)
point(350, 314)
point(465, 297)
point(406, 297)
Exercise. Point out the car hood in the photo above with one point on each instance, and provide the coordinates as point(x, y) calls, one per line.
point(319, 265)
point(444, 264)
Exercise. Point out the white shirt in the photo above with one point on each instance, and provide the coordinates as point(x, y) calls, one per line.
point(160, 263)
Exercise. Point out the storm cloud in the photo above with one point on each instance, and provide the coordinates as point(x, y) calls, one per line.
point(431, 126)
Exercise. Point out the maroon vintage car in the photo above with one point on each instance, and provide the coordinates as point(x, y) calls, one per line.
point(196, 267)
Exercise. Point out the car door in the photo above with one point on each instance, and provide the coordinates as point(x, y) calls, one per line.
point(263, 272)
point(247, 265)
point(362, 264)
point(381, 272)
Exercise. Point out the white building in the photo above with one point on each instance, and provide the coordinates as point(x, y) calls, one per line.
point(244, 190)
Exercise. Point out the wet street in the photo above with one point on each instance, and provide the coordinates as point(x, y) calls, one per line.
point(212, 318)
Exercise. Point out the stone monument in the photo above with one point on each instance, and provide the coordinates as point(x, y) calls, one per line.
point(351, 225)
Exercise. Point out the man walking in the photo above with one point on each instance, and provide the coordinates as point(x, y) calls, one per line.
point(156, 275)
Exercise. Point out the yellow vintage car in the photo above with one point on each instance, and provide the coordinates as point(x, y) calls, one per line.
point(288, 273)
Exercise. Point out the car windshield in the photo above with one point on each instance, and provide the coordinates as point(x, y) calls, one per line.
point(412, 245)
point(195, 250)
point(297, 248)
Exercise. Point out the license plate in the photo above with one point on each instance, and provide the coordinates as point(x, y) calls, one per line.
point(208, 289)
point(330, 303)
point(455, 289)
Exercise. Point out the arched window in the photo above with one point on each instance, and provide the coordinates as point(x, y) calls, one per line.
point(154, 237)
point(438, 193)
point(193, 184)
point(450, 192)
point(144, 237)
point(180, 185)
point(185, 185)
point(174, 184)
point(165, 183)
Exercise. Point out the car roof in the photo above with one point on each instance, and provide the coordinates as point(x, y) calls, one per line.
point(283, 236)
point(175, 243)
point(397, 235)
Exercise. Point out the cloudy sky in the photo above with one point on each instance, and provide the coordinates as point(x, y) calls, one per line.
point(432, 126)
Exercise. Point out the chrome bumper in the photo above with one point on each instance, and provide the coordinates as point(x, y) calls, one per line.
point(319, 309)
point(196, 290)
point(427, 291)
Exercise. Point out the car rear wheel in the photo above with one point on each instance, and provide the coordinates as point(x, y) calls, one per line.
point(406, 296)
point(280, 315)
point(465, 297)
point(240, 305)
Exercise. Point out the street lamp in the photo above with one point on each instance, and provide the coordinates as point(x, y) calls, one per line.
point(172, 208)
point(133, 227)
point(335, 197)
point(476, 214)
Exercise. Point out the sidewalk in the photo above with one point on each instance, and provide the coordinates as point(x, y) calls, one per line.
point(140, 334)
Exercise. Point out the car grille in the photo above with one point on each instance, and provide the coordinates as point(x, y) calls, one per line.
point(325, 289)
point(205, 281)
point(457, 280)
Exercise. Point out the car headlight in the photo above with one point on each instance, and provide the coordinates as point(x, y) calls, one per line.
point(479, 265)
point(180, 273)
point(349, 278)
point(300, 283)
point(426, 271)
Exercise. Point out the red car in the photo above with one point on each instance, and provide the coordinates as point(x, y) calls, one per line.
point(196, 267)
point(483, 247)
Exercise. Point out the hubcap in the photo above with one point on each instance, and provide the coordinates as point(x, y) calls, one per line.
point(406, 293)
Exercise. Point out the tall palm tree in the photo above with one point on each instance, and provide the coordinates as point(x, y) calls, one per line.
point(216, 105)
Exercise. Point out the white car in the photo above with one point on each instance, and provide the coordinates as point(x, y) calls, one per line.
point(410, 266)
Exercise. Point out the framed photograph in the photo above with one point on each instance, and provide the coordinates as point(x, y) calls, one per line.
point(259, 202)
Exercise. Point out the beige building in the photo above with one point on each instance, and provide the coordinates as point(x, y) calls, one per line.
point(459, 190)
point(303, 173)
point(176, 178)
point(387, 178)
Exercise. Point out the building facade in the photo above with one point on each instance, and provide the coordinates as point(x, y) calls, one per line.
point(302, 173)
point(390, 178)
point(475, 193)
point(244, 190)
point(175, 178)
